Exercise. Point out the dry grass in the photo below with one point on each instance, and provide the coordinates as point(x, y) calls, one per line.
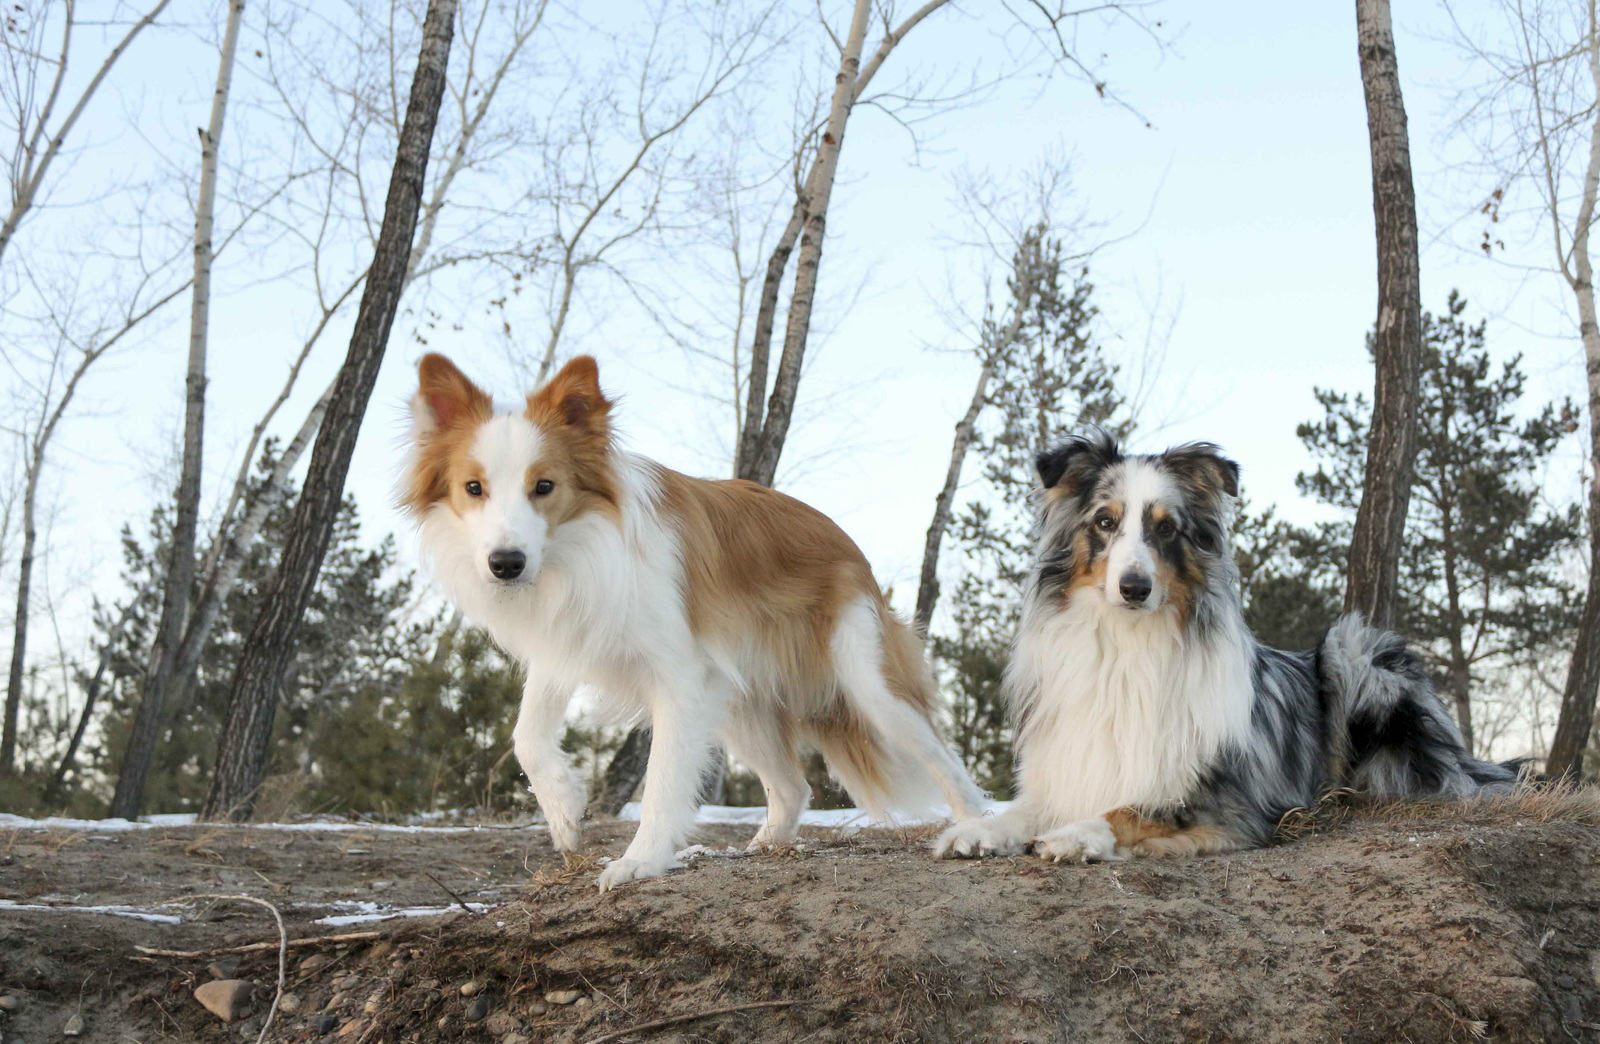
point(1537, 802)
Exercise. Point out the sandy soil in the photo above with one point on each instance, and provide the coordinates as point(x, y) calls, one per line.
point(1422, 925)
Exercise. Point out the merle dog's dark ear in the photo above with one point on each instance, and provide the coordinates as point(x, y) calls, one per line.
point(1201, 469)
point(1074, 462)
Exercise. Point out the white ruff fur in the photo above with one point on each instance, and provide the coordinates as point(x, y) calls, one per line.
point(1123, 713)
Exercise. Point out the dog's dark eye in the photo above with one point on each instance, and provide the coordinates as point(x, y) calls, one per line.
point(543, 487)
point(1105, 523)
point(1165, 529)
point(474, 488)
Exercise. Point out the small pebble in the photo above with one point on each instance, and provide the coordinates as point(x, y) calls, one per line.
point(381, 950)
point(353, 1027)
point(562, 996)
point(537, 1007)
point(312, 963)
point(1566, 982)
point(477, 1008)
point(289, 1003)
point(10, 1002)
point(470, 987)
point(74, 1026)
point(327, 1023)
point(443, 1023)
point(374, 1002)
point(222, 969)
point(582, 1002)
point(515, 1038)
point(335, 1002)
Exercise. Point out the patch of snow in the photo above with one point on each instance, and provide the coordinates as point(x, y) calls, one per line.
point(183, 819)
point(340, 920)
point(114, 911)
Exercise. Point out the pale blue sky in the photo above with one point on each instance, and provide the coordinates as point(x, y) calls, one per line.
point(1249, 204)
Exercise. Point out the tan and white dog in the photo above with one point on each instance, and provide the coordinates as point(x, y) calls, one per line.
point(717, 611)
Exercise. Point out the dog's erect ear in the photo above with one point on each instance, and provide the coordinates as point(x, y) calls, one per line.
point(573, 397)
point(1071, 465)
point(1201, 469)
point(445, 397)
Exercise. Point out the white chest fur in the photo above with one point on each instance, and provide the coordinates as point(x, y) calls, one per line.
point(1121, 711)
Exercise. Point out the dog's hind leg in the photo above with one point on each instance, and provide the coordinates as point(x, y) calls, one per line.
point(684, 716)
point(884, 679)
point(768, 748)
point(537, 740)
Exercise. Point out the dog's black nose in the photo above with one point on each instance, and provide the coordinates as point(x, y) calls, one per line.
point(1135, 588)
point(507, 565)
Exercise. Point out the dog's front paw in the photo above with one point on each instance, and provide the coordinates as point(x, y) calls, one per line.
point(1087, 841)
point(979, 837)
point(566, 835)
point(621, 871)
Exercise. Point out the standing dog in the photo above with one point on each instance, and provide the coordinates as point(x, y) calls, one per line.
point(715, 610)
point(1148, 720)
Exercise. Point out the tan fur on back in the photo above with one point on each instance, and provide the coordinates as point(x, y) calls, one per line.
point(764, 570)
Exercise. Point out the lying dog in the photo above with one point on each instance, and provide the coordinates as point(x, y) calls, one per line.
point(715, 610)
point(1148, 721)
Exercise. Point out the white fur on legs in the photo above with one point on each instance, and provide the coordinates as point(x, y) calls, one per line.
point(908, 735)
point(1004, 835)
point(680, 744)
point(537, 740)
point(771, 757)
point(1086, 841)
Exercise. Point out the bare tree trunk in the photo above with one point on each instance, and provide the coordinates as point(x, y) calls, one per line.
point(91, 696)
point(19, 630)
point(34, 164)
point(180, 566)
point(761, 344)
point(785, 386)
point(1583, 670)
point(928, 583)
point(625, 771)
point(242, 750)
point(1397, 343)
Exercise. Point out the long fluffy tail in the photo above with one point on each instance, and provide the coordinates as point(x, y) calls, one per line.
point(1394, 736)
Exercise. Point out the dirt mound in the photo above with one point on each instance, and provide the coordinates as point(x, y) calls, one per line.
point(1431, 924)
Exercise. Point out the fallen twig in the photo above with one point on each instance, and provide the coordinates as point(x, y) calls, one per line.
point(283, 946)
point(676, 1019)
point(315, 940)
point(459, 901)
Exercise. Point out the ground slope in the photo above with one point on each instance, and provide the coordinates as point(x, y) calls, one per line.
point(1419, 924)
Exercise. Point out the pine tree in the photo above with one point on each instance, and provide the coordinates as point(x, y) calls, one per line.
point(1481, 582)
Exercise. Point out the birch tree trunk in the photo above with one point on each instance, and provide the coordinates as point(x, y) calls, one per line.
point(1583, 670)
point(242, 750)
point(180, 565)
point(761, 343)
point(928, 582)
point(785, 385)
point(765, 431)
point(1397, 344)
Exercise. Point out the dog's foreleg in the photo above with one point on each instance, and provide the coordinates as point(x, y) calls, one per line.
point(537, 740)
point(682, 724)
